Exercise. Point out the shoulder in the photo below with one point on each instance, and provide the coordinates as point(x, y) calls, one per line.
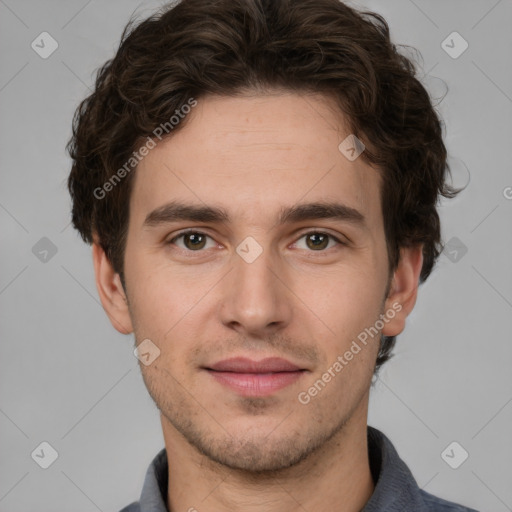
point(395, 487)
point(132, 507)
point(435, 504)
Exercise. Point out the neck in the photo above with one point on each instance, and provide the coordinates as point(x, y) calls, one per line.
point(335, 477)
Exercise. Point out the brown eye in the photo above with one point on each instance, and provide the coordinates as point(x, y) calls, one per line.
point(317, 240)
point(192, 241)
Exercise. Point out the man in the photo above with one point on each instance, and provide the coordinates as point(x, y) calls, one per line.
point(258, 179)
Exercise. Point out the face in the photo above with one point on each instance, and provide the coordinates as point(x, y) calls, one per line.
point(253, 300)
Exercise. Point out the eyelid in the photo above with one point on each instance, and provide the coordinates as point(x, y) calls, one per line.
point(197, 231)
point(336, 238)
point(324, 231)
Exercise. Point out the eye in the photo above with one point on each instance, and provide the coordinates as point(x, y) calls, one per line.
point(192, 240)
point(195, 241)
point(318, 241)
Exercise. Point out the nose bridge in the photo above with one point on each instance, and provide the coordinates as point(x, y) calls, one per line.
point(254, 298)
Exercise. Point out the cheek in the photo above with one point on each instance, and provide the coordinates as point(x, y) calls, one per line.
point(345, 299)
point(158, 297)
point(165, 307)
point(350, 308)
point(160, 307)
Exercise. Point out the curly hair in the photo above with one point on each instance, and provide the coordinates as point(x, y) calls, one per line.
point(197, 47)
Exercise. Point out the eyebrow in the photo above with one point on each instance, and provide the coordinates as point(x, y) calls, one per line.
point(178, 211)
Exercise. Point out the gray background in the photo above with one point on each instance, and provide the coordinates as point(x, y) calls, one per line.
point(68, 378)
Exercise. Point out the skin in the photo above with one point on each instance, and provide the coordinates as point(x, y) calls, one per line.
point(253, 155)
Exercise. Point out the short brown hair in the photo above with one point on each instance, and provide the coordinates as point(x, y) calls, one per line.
point(201, 47)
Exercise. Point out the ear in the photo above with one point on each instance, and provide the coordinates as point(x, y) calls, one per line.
point(403, 289)
point(111, 292)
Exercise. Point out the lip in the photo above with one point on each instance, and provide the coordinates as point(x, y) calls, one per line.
point(255, 378)
point(246, 365)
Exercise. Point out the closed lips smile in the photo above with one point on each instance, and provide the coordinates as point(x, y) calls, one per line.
point(255, 378)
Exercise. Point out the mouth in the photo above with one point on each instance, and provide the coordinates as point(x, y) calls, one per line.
point(255, 378)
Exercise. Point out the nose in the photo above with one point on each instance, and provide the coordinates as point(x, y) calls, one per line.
point(256, 301)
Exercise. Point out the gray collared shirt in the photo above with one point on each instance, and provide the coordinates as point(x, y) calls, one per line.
point(395, 487)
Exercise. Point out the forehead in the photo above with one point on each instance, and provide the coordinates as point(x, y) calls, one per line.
point(252, 155)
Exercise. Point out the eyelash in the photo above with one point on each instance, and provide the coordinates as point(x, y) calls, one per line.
point(195, 232)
